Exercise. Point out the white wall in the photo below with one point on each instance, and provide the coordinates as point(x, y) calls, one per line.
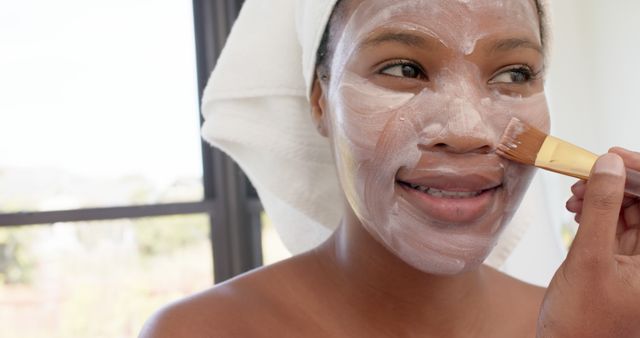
point(594, 77)
point(616, 48)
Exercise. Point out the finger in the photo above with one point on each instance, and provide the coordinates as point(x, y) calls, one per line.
point(629, 242)
point(577, 217)
point(636, 250)
point(579, 188)
point(631, 161)
point(596, 237)
point(632, 216)
point(620, 229)
point(631, 158)
point(629, 201)
point(574, 204)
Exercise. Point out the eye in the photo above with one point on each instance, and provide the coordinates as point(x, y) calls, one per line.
point(518, 74)
point(406, 69)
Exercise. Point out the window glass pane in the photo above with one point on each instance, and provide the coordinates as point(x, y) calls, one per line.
point(99, 279)
point(98, 105)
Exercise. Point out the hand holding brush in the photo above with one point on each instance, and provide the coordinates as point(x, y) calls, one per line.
point(596, 290)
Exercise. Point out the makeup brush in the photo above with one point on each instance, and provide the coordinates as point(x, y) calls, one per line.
point(525, 144)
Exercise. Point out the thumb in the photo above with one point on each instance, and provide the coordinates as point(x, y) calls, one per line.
point(601, 209)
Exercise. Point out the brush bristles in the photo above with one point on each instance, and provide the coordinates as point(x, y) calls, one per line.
point(521, 142)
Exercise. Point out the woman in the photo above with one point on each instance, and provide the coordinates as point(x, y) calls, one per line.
point(413, 97)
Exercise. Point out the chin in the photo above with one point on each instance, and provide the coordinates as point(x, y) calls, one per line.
point(447, 258)
point(438, 246)
point(443, 265)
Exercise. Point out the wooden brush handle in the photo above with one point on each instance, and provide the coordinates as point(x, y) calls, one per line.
point(632, 186)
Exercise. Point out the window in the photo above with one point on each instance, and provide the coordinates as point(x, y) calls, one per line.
point(110, 206)
point(99, 279)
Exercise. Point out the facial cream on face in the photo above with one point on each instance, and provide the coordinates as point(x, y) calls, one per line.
point(418, 167)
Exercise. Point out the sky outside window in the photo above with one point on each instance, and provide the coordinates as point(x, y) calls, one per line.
point(98, 104)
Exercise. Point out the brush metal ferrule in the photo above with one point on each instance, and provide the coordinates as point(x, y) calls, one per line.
point(565, 158)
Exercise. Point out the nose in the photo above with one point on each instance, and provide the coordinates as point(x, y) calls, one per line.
point(462, 131)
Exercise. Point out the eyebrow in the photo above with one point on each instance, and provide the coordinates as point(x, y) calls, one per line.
point(412, 40)
point(515, 43)
point(400, 37)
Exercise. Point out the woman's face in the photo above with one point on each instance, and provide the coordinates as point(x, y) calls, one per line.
point(419, 95)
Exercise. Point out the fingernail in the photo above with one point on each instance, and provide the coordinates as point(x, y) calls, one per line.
point(609, 164)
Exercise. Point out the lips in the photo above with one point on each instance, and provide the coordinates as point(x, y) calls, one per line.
point(451, 207)
point(454, 189)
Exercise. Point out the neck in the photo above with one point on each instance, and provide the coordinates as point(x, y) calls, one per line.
point(377, 282)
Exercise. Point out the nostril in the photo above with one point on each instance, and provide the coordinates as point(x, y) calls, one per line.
point(431, 147)
point(442, 146)
point(485, 150)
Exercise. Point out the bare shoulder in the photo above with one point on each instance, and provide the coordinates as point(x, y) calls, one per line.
point(242, 307)
point(207, 314)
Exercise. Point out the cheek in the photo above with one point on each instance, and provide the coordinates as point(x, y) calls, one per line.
point(498, 110)
point(372, 140)
point(533, 110)
point(517, 180)
point(364, 114)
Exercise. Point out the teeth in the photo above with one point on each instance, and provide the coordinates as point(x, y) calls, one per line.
point(444, 193)
point(452, 194)
point(419, 187)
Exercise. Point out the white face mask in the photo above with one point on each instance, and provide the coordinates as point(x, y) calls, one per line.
point(420, 94)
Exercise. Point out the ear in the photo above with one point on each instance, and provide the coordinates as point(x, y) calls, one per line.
point(318, 107)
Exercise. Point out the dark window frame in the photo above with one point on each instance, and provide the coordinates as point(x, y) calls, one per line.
point(230, 201)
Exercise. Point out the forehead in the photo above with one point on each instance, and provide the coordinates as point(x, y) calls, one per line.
point(451, 21)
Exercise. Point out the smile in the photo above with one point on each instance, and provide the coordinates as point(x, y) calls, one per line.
point(452, 205)
point(443, 193)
